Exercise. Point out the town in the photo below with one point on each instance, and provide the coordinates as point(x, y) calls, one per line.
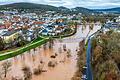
point(46, 42)
point(18, 27)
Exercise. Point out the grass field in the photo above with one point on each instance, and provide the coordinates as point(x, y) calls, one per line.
point(14, 52)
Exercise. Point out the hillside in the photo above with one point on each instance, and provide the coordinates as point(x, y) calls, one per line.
point(83, 10)
point(29, 6)
point(42, 7)
point(114, 10)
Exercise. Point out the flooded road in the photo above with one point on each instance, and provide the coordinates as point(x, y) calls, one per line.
point(65, 66)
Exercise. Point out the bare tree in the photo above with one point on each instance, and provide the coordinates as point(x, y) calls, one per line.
point(45, 46)
point(34, 50)
point(69, 53)
point(51, 43)
point(91, 26)
point(64, 47)
point(6, 67)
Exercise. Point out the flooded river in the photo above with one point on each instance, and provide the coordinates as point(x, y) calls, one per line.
point(65, 67)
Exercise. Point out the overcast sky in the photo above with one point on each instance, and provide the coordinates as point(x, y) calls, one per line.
point(72, 3)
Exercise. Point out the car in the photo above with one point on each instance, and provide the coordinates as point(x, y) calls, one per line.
point(84, 77)
point(85, 67)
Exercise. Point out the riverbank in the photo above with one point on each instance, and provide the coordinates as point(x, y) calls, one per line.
point(81, 60)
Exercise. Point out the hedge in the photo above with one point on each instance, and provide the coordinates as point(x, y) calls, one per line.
point(23, 49)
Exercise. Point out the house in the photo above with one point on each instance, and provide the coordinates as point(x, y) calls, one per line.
point(2, 26)
point(52, 33)
point(38, 22)
point(3, 31)
point(50, 28)
point(30, 35)
point(58, 30)
point(111, 25)
point(7, 24)
point(44, 32)
point(10, 36)
point(118, 19)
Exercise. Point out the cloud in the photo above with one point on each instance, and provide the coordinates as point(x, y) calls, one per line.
point(72, 3)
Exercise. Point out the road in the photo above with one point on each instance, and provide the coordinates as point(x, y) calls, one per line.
point(89, 75)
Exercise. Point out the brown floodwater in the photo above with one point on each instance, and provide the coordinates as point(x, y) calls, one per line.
point(65, 67)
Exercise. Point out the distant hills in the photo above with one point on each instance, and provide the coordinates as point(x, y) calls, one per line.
point(114, 10)
point(23, 5)
point(83, 10)
point(61, 9)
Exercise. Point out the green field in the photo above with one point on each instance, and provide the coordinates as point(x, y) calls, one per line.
point(39, 41)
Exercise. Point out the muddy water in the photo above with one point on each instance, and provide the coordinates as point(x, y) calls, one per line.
point(65, 68)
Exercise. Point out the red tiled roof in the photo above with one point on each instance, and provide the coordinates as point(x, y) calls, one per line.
point(38, 22)
point(2, 26)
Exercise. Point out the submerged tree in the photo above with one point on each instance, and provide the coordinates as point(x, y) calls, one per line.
point(39, 69)
point(51, 43)
point(69, 53)
point(84, 23)
point(27, 73)
point(6, 67)
point(64, 47)
point(91, 26)
point(45, 46)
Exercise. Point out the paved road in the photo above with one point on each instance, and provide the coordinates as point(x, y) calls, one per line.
point(89, 71)
point(89, 74)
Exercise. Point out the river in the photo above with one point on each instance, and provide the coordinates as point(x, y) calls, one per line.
point(65, 68)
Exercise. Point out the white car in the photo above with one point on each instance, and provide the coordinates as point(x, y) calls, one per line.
point(84, 77)
point(84, 67)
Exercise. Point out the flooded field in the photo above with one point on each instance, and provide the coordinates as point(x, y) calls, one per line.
point(65, 66)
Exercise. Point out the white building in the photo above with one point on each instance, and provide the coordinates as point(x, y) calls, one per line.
point(118, 19)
